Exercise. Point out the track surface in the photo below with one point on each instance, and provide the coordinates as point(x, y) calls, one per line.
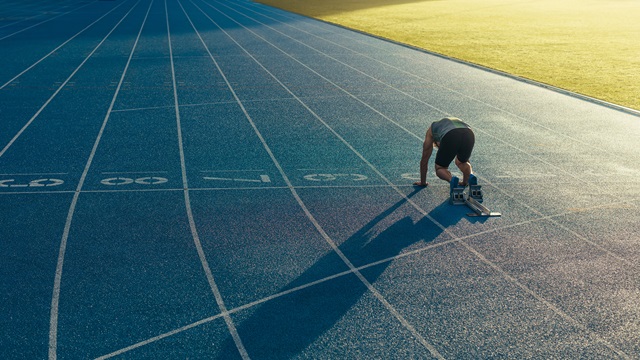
point(220, 179)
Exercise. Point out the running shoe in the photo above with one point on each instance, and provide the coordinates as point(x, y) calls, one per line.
point(455, 182)
point(473, 180)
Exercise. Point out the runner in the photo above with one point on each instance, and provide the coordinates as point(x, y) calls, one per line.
point(454, 139)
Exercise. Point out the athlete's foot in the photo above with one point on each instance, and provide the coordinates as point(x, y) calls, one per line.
point(473, 180)
point(454, 183)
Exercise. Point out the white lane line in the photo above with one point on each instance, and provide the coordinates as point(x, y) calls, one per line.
point(347, 272)
point(318, 25)
point(303, 206)
point(57, 48)
point(4, 150)
point(143, 108)
point(197, 105)
point(328, 80)
point(194, 231)
point(359, 36)
point(480, 256)
point(573, 175)
point(308, 285)
point(20, 21)
point(232, 179)
point(230, 170)
point(133, 172)
point(229, 312)
point(527, 120)
point(41, 13)
point(33, 174)
point(44, 21)
point(35, 192)
point(163, 336)
point(55, 299)
point(172, 106)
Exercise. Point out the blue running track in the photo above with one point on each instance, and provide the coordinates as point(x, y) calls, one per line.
point(210, 179)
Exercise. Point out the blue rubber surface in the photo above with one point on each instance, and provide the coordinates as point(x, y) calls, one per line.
point(220, 180)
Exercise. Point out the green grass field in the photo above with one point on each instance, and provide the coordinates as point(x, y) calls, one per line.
point(591, 47)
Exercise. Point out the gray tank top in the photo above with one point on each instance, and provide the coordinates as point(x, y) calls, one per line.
point(441, 127)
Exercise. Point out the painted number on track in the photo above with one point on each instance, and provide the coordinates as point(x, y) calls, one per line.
point(11, 183)
point(147, 180)
point(262, 179)
point(332, 177)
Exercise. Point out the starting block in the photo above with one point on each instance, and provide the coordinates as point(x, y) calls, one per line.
point(457, 196)
point(473, 201)
point(475, 192)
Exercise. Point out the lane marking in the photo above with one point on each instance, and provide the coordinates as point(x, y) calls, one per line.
point(263, 179)
point(332, 177)
point(57, 48)
point(133, 172)
point(4, 150)
point(39, 8)
point(225, 171)
point(302, 205)
point(55, 298)
point(146, 180)
point(214, 103)
point(151, 180)
point(218, 316)
point(234, 188)
point(163, 336)
point(325, 78)
point(18, 21)
point(194, 231)
point(525, 175)
point(34, 192)
point(32, 183)
point(34, 174)
point(117, 181)
point(307, 285)
point(403, 92)
point(595, 186)
point(44, 21)
point(330, 28)
point(143, 109)
point(480, 256)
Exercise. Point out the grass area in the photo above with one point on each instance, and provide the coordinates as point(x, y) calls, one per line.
point(591, 47)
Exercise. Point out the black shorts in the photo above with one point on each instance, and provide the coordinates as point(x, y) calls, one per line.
point(457, 142)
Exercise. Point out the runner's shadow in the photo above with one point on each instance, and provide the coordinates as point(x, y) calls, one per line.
point(448, 215)
point(285, 327)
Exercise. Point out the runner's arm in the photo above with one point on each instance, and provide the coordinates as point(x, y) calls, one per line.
point(427, 150)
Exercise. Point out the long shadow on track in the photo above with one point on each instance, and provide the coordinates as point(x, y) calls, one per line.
point(285, 327)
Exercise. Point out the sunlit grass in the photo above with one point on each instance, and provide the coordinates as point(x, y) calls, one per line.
point(591, 47)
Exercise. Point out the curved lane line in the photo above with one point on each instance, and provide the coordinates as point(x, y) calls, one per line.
point(472, 250)
point(194, 232)
point(303, 206)
point(55, 299)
